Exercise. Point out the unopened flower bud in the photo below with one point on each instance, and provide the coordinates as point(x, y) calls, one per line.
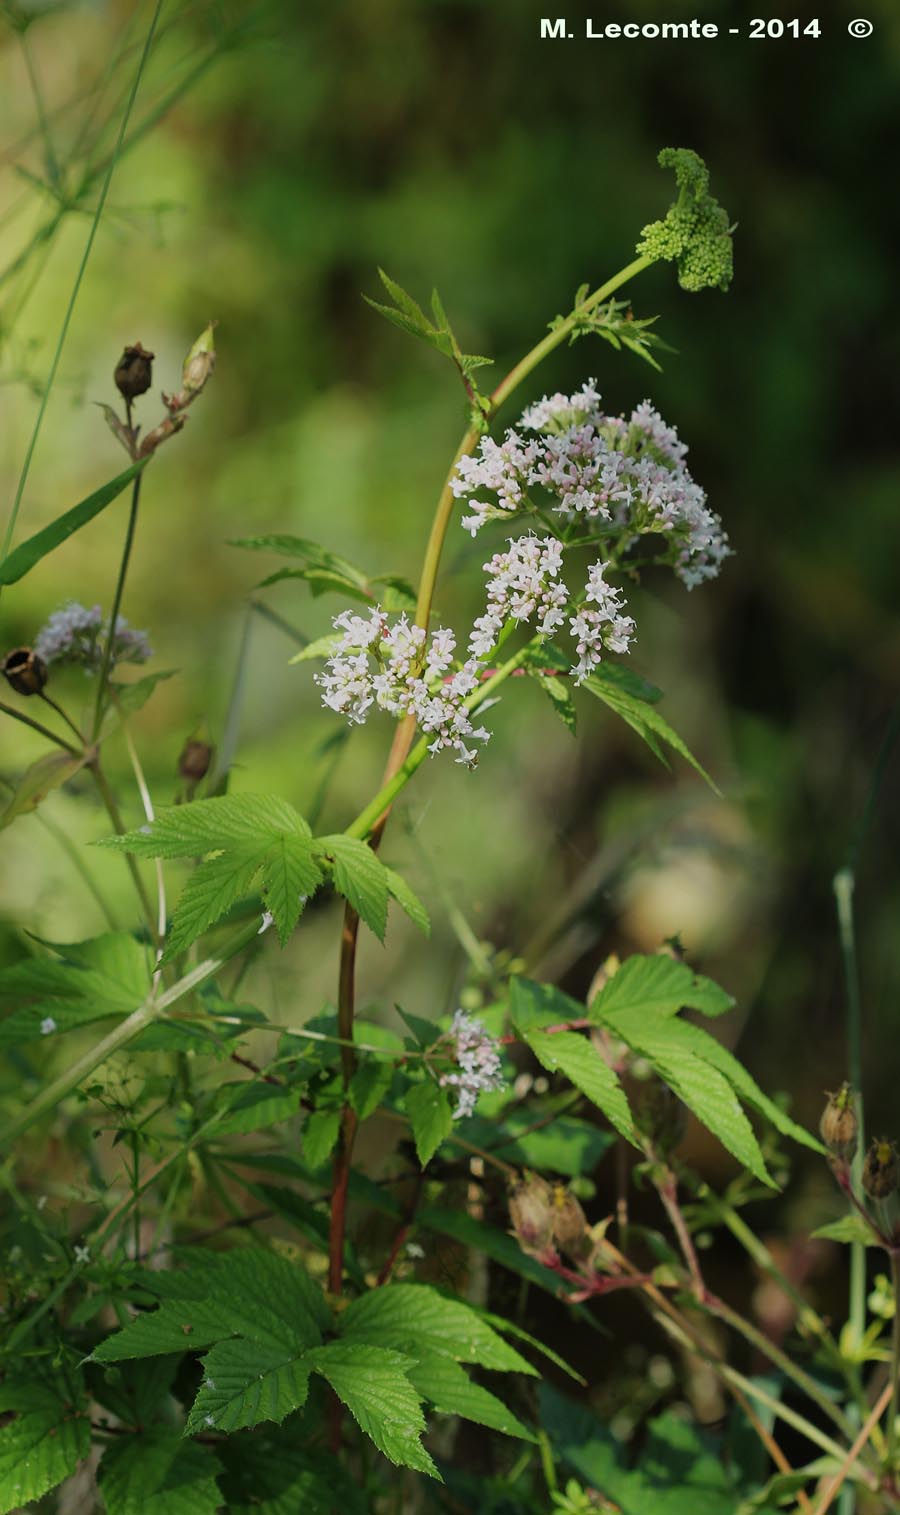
point(134, 371)
point(881, 1170)
point(570, 1227)
point(531, 1212)
point(200, 362)
point(196, 756)
point(25, 672)
point(839, 1127)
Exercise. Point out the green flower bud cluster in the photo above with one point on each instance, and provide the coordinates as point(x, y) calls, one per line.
point(695, 233)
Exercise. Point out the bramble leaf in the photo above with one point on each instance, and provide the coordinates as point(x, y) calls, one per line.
point(428, 1108)
point(657, 984)
point(44, 1433)
point(416, 1317)
point(446, 1386)
point(572, 1054)
point(373, 1383)
point(156, 1469)
point(83, 982)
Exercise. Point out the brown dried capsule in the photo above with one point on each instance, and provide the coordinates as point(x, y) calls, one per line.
point(196, 756)
point(570, 1227)
point(839, 1127)
point(531, 1213)
point(25, 672)
point(881, 1170)
point(134, 371)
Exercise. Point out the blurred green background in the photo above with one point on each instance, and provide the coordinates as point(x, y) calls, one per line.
point(279, 155)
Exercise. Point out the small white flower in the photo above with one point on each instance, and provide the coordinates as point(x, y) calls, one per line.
point(414, 1250)
point(82, 1254)
point(268, 920)
point(48, 1026)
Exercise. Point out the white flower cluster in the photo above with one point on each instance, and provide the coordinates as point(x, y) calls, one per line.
point(602, 626)
point(630, 474)
point(522, 582)
point(390, 666)
point(76, 634)
point(477, 1054)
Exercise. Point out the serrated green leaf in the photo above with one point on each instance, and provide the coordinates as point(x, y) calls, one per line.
point(301, 547)
point(658, 985)
point(372, 1382)
point(290, 875)
point(650, 726)
point(83, 982)
point(246, 1382)
point(46, 1437)
point(430, 1116)
point(130, 698)
point(417, 1317)
point(253, 1106)
point(23, 558)
point(247, 833)
point(322, 647)
point(447, 1386)
point(567, 1052)
point(670, 1047)
point(359, 876)
point(268, 1473)
point(214, 887)
point(320, 581)
point(369, 1085)
point(409, 902)
point(560, 697)
point(211, 825)
point(320, 1136)
point(425, 1033)
point(402, 300)
point(40, 779)
point(540, 1005)
point(251, 1293)
point(156, 1469)
point(745, 1085)
point(850, 1229)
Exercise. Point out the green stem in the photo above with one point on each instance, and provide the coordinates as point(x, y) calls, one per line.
point(844, 883)
point(761, 1342)
point(368, 818)
point(109, 649)
point(98, 212)
point(27, 720)
point(115, 816)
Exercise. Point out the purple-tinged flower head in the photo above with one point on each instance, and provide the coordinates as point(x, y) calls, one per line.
point(394, 666)
point(600, 627)
point(77, 634)
point(477, 1055)
point(523, 583)
point(630, 474)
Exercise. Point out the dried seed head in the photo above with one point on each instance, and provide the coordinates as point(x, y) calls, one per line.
point(25, 672)
point(839, 1127)
point(134, 371)
point(881, 1170)
point(532, 1213)
point(570, 1227)
point(196, 756)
